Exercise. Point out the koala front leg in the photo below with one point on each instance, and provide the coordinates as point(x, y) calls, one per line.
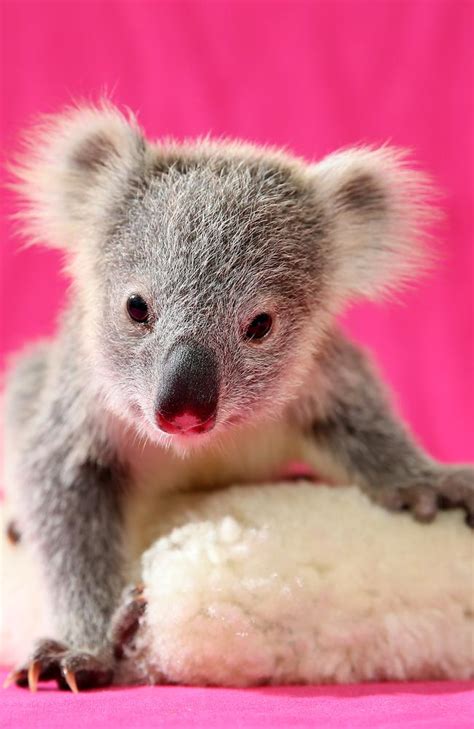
point(70, 514)
point(358, 431)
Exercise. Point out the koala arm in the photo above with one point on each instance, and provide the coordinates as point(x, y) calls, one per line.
point(75, 525)
point(68, 508)
point(360, 434)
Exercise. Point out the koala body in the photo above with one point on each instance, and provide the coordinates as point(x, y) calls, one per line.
point(198, 346)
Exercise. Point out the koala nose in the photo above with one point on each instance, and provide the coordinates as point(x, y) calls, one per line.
point(189, 391)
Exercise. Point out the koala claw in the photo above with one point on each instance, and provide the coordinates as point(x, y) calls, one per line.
point(126, 620)
point(449, 488)
point(71, 669)
point(456, 489)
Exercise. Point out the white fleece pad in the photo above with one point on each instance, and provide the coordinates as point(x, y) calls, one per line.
point(299, 583)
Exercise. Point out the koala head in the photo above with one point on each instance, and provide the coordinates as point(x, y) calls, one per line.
point(207, 274)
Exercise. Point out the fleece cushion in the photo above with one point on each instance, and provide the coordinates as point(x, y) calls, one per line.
point(385, 706)
point(297, 583)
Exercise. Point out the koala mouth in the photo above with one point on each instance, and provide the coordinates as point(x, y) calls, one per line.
point(186, 424)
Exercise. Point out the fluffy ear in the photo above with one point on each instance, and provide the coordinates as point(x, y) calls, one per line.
point(378, 209)
point(75, 167)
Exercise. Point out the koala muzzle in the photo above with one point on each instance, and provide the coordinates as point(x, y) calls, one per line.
point(189, 391)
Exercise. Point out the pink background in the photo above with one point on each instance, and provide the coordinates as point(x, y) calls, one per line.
point(381, 706)
point(311, 75)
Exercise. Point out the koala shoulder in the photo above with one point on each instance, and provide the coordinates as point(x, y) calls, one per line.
point(25, 381)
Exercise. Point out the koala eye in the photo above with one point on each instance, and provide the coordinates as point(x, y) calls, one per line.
point(259, 327)
point(137, 309)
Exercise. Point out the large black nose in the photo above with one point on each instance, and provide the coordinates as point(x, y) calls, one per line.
point(189, 391)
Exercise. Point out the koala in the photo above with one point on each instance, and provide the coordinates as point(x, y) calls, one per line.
point(198, 347)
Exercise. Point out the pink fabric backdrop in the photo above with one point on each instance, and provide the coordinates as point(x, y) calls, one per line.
point(311, 75)
point(314, 76)
point(381, 706)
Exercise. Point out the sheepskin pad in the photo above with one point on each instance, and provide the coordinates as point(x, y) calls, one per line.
point(296, 583)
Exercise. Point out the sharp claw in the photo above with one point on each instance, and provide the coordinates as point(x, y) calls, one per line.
point(70, 679)
point(137, 592)
point(424, 511)
point(52, 661)
point(11, 678)
point(34, 671)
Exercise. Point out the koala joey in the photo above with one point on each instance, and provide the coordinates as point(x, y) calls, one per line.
point(198, 346)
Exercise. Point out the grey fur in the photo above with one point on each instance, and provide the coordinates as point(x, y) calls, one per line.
point(69, 488)
point(211, 234)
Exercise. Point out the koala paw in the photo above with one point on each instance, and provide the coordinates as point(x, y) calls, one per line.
point(71, 669)
point(126, 621)
point(446, 488)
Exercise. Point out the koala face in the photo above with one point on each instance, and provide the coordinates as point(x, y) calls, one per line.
point(208, 273)
point(210, 283)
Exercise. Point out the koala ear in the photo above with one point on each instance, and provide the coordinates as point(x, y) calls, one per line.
point(377, 209)
point(75, 166)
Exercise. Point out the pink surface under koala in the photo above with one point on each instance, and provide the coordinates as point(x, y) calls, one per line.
point(313, 76)
point(384, 706)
